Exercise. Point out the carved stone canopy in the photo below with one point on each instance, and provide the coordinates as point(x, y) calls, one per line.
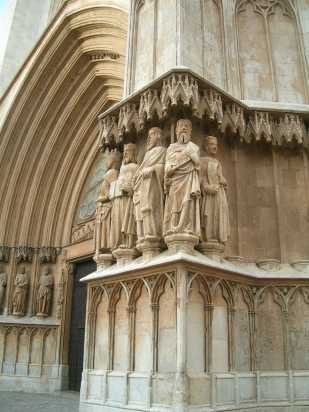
point(205, 102)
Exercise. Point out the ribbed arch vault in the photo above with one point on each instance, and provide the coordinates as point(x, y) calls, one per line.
point(48, 140)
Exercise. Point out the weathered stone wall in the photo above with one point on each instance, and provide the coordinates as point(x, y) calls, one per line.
point(241, 46)
point(245, 341)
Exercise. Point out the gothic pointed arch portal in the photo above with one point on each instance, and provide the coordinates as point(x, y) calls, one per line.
point(48, 146)
point(273, 68)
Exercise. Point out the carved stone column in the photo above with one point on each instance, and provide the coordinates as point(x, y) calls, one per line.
point(181, 392)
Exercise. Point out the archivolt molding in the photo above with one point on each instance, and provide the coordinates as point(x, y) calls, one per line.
point(47, 141)
point(205, 103)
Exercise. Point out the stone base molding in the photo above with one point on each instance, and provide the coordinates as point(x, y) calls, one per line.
point(180, 334)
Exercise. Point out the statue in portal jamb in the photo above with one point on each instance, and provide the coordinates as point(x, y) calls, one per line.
point(45, 294)
point(105, 202)
point(148, 194)
point(182, 185)
point(21, 286)
point(3, 283)
point(123, 226)
point(215, 224)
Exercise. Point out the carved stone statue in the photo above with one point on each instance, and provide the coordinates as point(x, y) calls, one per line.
point(214, 210)
point(104, 204)
point(148, 194)
point(45, 293)
point(3, 283)
point(123, 229)
point(21, 286)
point(182, 185)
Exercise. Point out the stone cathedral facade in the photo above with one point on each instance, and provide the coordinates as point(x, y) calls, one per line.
point(154, 207)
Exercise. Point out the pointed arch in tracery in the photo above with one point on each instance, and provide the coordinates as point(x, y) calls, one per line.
point(270, 52)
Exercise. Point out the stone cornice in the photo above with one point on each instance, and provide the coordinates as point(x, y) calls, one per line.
point(274, 123)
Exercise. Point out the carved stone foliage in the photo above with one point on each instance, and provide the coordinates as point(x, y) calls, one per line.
point(5, 253)
point(83, 231)
point(24, 254)
point(204, 102)
point(48, 254)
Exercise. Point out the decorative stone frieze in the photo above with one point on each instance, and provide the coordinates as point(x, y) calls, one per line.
point(24, 254)
point(48, 254)
point(5, 252)
point(185, 90)
point(83, 231)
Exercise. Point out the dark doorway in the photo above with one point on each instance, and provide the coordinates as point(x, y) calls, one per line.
point(78, 316)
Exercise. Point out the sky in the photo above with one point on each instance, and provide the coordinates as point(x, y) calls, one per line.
point(4, 26)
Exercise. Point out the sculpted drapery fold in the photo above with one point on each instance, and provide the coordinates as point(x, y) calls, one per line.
point(173, 196)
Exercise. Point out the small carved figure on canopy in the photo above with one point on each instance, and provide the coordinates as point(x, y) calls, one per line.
point(148, 194)
point(182, 185)
point(45, 293)
point(123, 227)
point(214, 210)
point(21, 284)
point(3, 283)
point(104, 203)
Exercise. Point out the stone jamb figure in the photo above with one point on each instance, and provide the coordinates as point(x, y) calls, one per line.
point(215, 226)
point(182, 187)
point(45, 293)
point(123, 228)
point(21, 286)
point(148, 194)
point(104, 204)
point(3, 284)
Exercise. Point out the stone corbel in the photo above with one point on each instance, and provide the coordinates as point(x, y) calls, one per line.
point(5, 252)
point(24, 254)
point(48, 254)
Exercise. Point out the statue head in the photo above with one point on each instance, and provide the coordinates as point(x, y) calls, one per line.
point(129, 153)
point(45, 271)
point(114, 160)
point(22, 269)
point(155, 138)
point(211, 145)
point(183, 130)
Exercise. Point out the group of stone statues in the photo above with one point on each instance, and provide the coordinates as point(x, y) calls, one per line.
point(21, 285)
point(173, 195)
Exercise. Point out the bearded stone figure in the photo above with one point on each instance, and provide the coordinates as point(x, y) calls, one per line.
point(214, 211)
point(123, 229)
point(21, 286)
point(104, 204)
point(3, 283)
point(45, 294)
point(148, 194)
point(182, 185)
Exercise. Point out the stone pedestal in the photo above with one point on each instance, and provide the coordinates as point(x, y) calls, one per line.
point(124, 256)
point(181, 242)
point(183, 334)
point(103, 260)
point(150, 247)
point(212, 249)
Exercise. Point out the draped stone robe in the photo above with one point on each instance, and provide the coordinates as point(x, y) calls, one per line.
point(214, 211)
point(21, 284)
point(123, 226)
point(148, 195)
point(103, 227)
point(45, 293)
point(182, 208)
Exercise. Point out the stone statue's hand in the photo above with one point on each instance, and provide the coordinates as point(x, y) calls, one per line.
point(196, 195)
point(127, 191)
point(147, 172)
point(212, 189)
point(223, 182)
point(170, 170)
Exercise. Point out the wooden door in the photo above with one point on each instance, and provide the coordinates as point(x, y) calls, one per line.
point(77, 330)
